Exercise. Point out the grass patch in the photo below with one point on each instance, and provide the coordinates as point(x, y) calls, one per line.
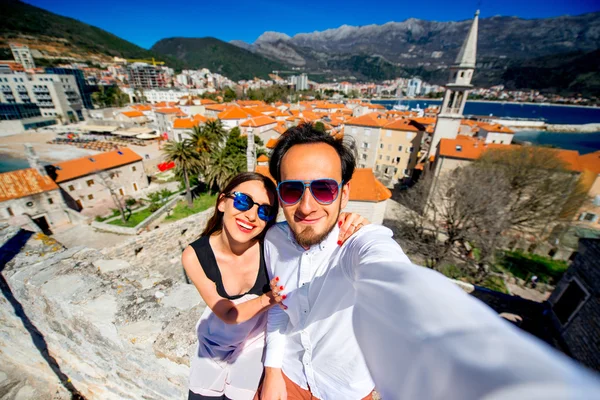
point(524, 266)
point(201, 203)
point(494, 282)
point(134, 220)
point(115, 212)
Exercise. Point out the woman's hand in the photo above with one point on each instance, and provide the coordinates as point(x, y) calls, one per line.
point(275, 296)
point(350, 223)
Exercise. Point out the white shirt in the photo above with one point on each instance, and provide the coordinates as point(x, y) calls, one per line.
point(313, 341)
point(422, 337)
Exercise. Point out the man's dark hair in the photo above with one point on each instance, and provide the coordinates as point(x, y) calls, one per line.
point(307, 134)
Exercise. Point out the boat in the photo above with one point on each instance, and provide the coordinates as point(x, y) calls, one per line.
point(399, 106)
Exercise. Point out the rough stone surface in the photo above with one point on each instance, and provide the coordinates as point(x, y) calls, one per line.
point(106, 266)
point(99, 318)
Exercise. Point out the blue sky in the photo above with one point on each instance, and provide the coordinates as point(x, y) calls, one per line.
point(146, 22)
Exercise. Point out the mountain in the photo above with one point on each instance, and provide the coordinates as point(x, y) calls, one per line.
point(430, 46)
point(51, 36)
point(224, 58)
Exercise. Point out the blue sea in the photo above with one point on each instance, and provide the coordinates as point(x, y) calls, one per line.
point(553, 114)
point(8, 163)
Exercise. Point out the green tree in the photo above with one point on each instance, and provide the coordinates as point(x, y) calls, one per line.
point(229, 94)
point(223, 166)
point(186, 160)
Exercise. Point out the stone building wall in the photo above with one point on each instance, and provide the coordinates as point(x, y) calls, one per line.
point(581, 334)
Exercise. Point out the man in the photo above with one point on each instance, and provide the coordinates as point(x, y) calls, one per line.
point(364, 304)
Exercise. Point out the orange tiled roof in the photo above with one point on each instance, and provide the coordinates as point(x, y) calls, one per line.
point(262, 158)
point(233, 113)
point(168, 110)
point(141, 107)
point(185, 123)
point(472, 149)
point(133, 114)
point(258, 121)
point(373, 119)
point(205, 102)
point(495, 128)
point(365, 187)
point(271, 143)
point(163, 104)
point(264, 170)
point(591, 162)
point(217, 107)
point(24, 182)
point(250, 103)
point(280, 128)
point(83, 166)
point(401, 124)
point(425, 120)
point(200, 118)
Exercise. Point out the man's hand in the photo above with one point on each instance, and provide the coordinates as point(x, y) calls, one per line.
point(273, 387)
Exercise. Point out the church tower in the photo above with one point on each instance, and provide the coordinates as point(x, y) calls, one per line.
point(457, 90)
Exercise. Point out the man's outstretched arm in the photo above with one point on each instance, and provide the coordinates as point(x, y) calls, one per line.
point(423, 337)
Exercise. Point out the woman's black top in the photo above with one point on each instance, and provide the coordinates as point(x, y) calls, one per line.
point(207, 259)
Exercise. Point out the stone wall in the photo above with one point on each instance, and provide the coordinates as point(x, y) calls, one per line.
point(372, 211)
point(161, 245)
point(581, 334)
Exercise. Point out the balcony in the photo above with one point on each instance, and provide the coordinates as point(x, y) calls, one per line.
point(41, 90)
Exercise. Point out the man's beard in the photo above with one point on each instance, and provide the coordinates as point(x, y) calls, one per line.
point(308, 237)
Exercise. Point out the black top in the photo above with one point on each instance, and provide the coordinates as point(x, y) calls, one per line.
point(207, 259)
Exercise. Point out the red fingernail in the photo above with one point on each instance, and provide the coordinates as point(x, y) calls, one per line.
point(276, 279)
point(280, 287)
point(283, 297)
point(340, 223)
point(339, 242)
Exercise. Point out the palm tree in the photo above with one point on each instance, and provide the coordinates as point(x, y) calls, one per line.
point(222, 167)
point(215, 130)
point(186, 160)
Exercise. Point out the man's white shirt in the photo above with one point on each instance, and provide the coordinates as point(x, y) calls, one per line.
point(313, 341)
point(422, 337)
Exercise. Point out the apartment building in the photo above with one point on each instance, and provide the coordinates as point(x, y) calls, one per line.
point(589, 213)
point(22, 55)
point(87, 182)
point(56, 95)
point(146, 76)
point(389, 146)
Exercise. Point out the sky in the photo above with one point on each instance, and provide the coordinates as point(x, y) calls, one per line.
point(146, 22)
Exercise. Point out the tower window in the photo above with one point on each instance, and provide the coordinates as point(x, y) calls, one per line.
point(458, 148)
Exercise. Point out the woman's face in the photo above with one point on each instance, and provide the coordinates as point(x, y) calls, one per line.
point(243, 226)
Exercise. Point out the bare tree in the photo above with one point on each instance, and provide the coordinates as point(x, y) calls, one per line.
point(107, 180)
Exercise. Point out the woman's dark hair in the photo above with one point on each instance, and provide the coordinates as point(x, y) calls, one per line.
point(215, 223)
point(306, 134)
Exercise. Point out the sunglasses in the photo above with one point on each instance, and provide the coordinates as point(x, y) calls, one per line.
point(324, 190)
point(243, 202)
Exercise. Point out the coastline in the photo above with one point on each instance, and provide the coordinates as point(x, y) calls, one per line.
point(492, 101)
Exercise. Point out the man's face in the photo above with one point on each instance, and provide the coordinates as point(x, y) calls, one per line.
point(310, 220)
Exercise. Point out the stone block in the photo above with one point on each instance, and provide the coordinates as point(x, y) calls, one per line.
point(106, 266)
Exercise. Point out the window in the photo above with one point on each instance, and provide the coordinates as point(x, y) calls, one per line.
point(397, 160)
point(387, 158)
point(133, 169)
point(135, 187)
point(597, 200)
point(377, 168)
point(90, 182)
point(399, 148)
point(569, 302)
point(122, 192)
point(365, 145)
point(590, 217)
point(71, 188)
point(10, 212)
point(90, 197)
point(388, 133)
point(405, 172)
point(380, 157)
point(411, 149)
point(458, 148)
point(364, 156)
point(50, 201)
point(381, 145)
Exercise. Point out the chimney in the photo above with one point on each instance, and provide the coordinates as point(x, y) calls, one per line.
point(33, 159)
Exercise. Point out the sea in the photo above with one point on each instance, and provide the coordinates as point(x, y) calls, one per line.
point(553, 114)
point(8, 163)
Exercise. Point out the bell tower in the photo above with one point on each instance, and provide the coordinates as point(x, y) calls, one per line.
point(457, 89)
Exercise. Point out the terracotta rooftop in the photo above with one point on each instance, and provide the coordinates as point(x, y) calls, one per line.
point(401, 124)
point(185, 123)
point(258, 121)
point(234, 113)
point(591, 162)
point(168, 110)
point(373, 119)
point(262, 158)
point(271, 143)
point(467, 148)
point(67, 170)
point(364, 186)
point(133, 114)
point(24, 182)
point(141, 107)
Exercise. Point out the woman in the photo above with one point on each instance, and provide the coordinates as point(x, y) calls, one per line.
point(227, 267)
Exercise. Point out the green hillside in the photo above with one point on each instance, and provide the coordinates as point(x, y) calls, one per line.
point(48, 30)
point(218, 56)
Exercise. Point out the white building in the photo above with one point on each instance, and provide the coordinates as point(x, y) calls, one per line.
point(300, 81)
point(414, 87)
point(22, 55)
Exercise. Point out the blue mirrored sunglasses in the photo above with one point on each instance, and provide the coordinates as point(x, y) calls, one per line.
point(243, 202)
